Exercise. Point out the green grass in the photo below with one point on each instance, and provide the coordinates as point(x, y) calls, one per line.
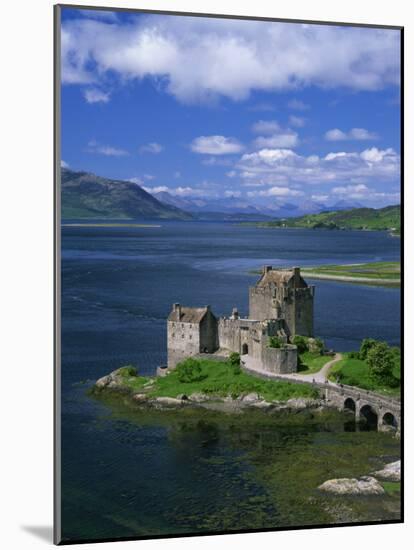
point(355, 372)
point(388, 218)
point(131, 379)
point(312, 362)
point(221, 379)
point(372, 270)
point(392, 487)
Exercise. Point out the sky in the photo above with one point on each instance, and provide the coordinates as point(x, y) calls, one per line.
point(208, 108)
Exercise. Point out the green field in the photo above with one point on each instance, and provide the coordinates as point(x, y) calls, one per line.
point(355, 372)
point(312, 362)
point(217, 379)
point(368, 219)
point(376, 272)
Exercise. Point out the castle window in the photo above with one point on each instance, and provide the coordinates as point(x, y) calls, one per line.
point(173, 334)
point(182, 336)
point(191, 336)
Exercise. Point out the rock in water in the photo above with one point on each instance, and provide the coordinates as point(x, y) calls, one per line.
point(363, 486)
point(391, 472)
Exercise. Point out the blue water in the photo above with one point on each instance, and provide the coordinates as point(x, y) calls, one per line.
point(121, 478)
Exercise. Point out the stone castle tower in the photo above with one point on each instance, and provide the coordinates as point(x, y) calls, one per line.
point(280, 305)
point(280, 294)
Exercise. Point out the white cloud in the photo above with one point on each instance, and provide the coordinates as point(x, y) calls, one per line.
point(320, 197)
point(276, 191)
point(94, 95)
point(232, 194)
point(153, 148)
point(231, 174)
point(141, 179)
point(265, 127)
point(106, 150)
point(215, 145)
point(335, 135)
point(375, 155)
point(262, 167)
point(351, 190)
point(298, 105)
point(286, 138)
point(199, 59)
point(358, 134)
point(138, 181)
point(157, 189)
point(297, 121)
point(64, 164)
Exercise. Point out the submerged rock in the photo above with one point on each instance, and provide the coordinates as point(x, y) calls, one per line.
point(365, 485)
point(391, 472)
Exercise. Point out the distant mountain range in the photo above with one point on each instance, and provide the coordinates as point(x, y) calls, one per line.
point(388, 218)
point(234, 207)
point(86, 195)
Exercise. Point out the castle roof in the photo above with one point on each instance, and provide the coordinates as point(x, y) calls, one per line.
point(187, 314)
point(281, 277)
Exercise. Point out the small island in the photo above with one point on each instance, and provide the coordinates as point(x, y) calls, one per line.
point(269, 361)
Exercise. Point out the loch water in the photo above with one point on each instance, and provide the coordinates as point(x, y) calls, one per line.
point(126, 474)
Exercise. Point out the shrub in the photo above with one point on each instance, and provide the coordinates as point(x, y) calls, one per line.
point(301, 343)
point(366, 345)
point(354, 355)
point(190, 371)
point(128, 371)
point(234, 359)
point(274, 342)
point(381, 363)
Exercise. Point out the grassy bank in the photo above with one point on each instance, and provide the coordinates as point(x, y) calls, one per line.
point(355, 372)
point(375, 272)
point(214, 378)
point(367, 219)
point(312, 362)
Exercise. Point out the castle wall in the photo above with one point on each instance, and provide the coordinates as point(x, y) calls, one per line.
point(183, 340)
point(229, 334)
point(209, 333)
point(282, 360)
point(304, 311)
point(261, 304)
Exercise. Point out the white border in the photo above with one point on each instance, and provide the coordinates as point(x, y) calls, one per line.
point(27, 270)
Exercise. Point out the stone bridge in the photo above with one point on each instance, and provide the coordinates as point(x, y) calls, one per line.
point(383, 411)
point(379, 410)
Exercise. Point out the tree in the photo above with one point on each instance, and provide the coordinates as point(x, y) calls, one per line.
point(380, 361)
point(301, 343)
point(190, 371)
point(366, 345)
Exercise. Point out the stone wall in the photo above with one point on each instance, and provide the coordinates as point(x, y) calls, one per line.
point(282, 360)
point(183, 340)
point(208, 333)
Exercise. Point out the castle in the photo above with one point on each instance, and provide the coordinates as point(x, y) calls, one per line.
point(280, 305)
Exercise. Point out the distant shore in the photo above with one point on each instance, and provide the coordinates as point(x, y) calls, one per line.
point(109, 225)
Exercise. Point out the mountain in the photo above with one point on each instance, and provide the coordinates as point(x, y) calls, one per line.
point(345, 205)
point(86, 195)
point(355, 218)
point(228, 208)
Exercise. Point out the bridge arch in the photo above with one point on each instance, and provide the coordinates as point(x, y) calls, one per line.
point(369, 415)
point(389, 419)
point(349, 405)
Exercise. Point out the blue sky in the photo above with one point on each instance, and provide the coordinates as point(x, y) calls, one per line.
point(206, 108)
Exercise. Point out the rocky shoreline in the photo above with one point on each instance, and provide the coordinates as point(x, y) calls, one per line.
point(114, 382)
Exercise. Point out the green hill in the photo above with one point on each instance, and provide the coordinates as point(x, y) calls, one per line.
point(86, 196)
point(388, 218)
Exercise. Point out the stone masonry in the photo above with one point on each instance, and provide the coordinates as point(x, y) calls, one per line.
point(280, 305)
